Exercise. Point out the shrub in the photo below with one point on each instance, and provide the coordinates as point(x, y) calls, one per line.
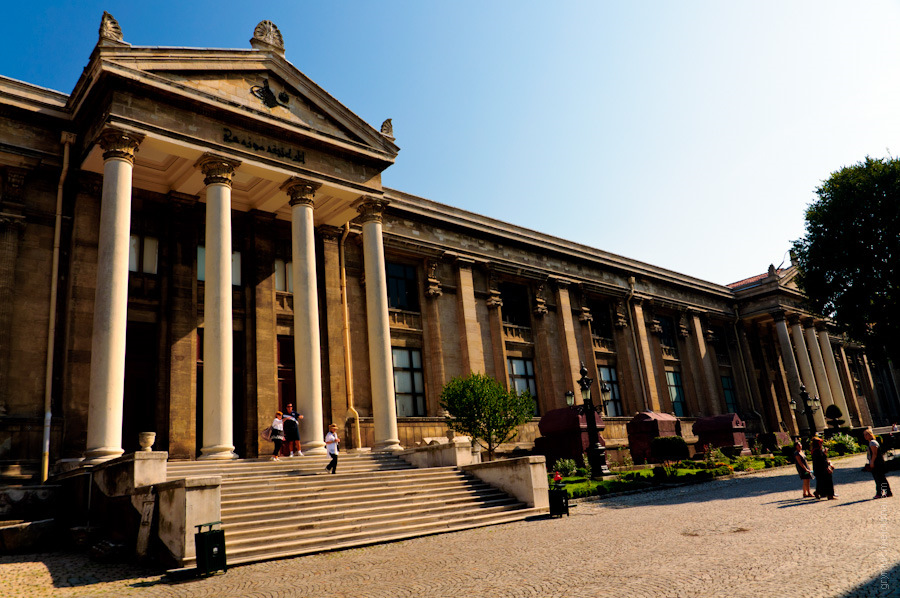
point(842, 444)
point(743, 463)
point(787, 450)
point(585, 471)
point(668, 449)
point(722, 470)
point(566, 467)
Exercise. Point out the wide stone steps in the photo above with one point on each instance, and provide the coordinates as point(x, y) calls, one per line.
point(291, 507)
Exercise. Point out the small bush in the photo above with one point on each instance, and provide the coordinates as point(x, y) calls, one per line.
point(566, 467)
point(668, 449)
point(585, 471)
point(743, 463)
point(722, 470)
point(842, 444)
point(787, 450)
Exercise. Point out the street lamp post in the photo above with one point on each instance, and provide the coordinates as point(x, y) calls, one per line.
point(810, 406)
point(596, 452)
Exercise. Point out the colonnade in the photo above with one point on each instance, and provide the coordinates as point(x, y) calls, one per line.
point(809, 360)
point(106, 399)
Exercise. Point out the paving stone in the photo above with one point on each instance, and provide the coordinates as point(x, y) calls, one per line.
point(748, 536)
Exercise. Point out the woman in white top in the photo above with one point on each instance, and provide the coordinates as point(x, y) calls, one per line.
point(277, 434)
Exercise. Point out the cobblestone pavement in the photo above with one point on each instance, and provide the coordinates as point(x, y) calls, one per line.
point(747, 536)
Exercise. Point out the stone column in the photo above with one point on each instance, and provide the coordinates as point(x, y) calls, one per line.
point(218, 357)
point(384, 408)
point(645, 359)
point(431, 330)
point(831, 371)
point(498, 339)
point(789, 360)
point(711, 383)
point(107, 386)
point(470, 339)
point(307, 354)
point(806, 371)
point(336, 377)
point(858, 407)
point(818, 364)
point(568, 343)
point(585, 318)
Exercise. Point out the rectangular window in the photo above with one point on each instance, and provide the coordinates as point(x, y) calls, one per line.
point(515, 304)
point(409, 382)
point(284, 276)
point(143, 254)
point(521, 377)
point(402, 287)
point(614, 406)
point(235, 266)
point(728, 387)
point(676, 393)
point(667, 337)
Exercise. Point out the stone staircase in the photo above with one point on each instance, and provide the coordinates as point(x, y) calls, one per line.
point(292, 507)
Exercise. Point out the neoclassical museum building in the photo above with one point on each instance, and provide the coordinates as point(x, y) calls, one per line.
point(192, 238)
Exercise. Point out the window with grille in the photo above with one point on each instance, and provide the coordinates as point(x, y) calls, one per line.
point(409, 382)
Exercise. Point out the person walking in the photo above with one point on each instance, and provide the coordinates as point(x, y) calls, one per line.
point(803, 468)
point(291, 432)
point(331, 445)
point(277, 434)
point(823, 470)
point(876, 466)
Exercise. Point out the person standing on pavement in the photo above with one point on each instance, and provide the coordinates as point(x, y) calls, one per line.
point(823, 470)
point(876, 466)
point(291, 432)
point(803, 468)
point(331, 445)
point(277, 434)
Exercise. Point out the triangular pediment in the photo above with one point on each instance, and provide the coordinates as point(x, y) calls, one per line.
point(258, 83)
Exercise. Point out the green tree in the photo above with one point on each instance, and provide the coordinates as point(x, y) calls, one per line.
point(849, 258)
point(479, 406)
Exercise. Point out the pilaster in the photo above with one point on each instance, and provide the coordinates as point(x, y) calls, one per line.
point(470, 338)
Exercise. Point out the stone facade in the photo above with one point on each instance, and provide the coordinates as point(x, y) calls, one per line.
point(203, 149)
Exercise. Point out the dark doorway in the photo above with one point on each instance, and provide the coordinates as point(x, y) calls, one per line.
point(238, 396)
point(141, 352)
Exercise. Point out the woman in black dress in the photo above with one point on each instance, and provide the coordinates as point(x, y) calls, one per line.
point(822, 469)
point(803, 469)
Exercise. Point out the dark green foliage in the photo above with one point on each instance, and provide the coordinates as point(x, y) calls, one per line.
point(833, 414)
point(849, 258)
point(668, 449)
point(479, 406)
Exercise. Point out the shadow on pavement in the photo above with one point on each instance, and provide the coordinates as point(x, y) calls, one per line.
point(73, 569)
point(884, 585)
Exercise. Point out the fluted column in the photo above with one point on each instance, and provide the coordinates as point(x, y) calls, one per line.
point(218, 366)
point(806, 370)
point(788, 360)
point(107, 385)
point(834, 378)
point(384, 408)
point(818, 364)
point(307, 356)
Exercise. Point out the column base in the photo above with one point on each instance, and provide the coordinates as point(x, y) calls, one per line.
point(390, 445)
point(219, 453)
point(315, 447)
point(99, 455)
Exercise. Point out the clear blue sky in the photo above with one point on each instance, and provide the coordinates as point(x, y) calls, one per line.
point(690, 135)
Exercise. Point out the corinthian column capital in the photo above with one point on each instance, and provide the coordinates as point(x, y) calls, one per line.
point(371, 209)
point(217, 169)
point(301, 191)
point(117, 143)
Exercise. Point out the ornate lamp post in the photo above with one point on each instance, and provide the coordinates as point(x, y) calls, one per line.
point(596, 453)
point(810, 406)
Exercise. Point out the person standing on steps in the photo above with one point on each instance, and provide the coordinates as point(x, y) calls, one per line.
point(291, 432)
point(331, 445)
point(277, 434)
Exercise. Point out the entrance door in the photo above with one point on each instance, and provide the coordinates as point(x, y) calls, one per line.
point(140, 383)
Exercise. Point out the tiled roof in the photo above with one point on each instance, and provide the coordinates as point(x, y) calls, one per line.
point(752, 280)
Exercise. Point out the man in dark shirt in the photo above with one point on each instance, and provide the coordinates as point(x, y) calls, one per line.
point(291, 432)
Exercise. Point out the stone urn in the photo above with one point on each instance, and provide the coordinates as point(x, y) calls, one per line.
point(146, 440)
